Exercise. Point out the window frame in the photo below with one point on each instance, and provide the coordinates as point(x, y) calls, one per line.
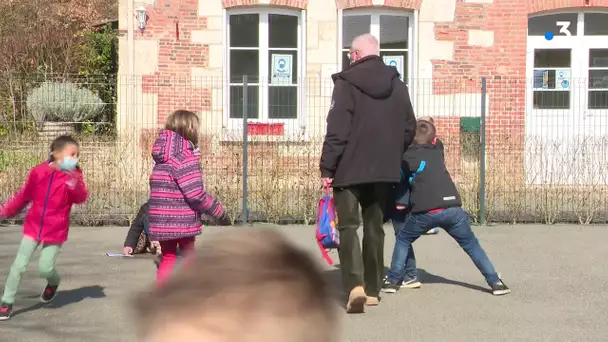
point(580, 45)
point(375, 14)
point(264, 51)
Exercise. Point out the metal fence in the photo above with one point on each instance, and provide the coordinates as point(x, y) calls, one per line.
point(518, 150)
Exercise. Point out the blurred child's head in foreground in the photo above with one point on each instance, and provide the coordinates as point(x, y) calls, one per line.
point(425, 132)
point(184, 123)
point(247, 286)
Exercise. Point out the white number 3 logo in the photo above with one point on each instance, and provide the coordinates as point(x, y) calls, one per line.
point(564, 27)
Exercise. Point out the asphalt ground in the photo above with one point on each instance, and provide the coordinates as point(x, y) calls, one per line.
point(558, 274)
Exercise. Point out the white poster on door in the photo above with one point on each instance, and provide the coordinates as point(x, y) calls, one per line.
point(562, 79)
point(395, 61)
point(282, 68)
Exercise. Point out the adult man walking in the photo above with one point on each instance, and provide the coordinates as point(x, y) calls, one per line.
point(370, 123)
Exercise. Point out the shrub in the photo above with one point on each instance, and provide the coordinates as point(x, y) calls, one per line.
point(63, 102)
point(11, 159)
point(284, 187)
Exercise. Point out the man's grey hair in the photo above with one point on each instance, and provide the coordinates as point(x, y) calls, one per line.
point(366, 45)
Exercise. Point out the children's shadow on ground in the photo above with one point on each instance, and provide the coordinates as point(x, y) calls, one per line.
point(334, 279)
point(66, 297)
point(429, 278)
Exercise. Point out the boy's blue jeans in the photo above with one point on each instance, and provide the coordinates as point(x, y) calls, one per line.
point(399, 218)
point(456, 223)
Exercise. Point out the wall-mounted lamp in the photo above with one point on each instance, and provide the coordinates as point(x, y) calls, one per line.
point(142, 18)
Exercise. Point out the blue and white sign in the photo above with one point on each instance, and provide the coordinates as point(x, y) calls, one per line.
point(282, 68)
point(395, 61)
point(562, 79)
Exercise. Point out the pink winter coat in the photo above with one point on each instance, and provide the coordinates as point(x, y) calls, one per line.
point(177, 193)
point(52, 193)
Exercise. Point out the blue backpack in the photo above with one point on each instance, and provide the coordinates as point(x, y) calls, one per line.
point(327, 234)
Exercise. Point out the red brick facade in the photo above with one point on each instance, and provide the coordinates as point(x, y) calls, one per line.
point(171, 23)
point(503, 63)
point(286, 3)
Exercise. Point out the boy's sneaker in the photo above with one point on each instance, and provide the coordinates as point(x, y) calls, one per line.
point(432, 231)
point(49, 293)
point(5, 311)
point(413, 283)
point(390, 287)
point(499, 288)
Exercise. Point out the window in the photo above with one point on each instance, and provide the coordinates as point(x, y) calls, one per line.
point(394, 31)
point(569, 61)
point(266, 47)
point(596, 24)
point(598, 79)
point(552, 78)
point(557, 24)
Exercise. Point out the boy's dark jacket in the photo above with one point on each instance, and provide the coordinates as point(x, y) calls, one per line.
point(139, 224)
point(370, 124)
point(427, 179)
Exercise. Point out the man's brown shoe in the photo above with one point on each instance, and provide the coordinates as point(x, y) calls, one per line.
point(356, 300)
point(372, 301)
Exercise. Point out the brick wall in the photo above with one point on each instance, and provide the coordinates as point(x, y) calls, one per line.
point(288, 3)
point(171, 23)
point(502, 60)
point(448, 130)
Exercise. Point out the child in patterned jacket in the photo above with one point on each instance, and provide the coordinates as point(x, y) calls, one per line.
point(177, 193)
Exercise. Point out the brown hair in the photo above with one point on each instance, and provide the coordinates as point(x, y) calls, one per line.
point(250, 285)
point(427, 118)
point(60, 143)
point(425, 132)
point(184, 123)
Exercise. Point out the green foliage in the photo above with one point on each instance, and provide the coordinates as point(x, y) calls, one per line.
point(12, 159)
point(99, 50)
point(63, 102)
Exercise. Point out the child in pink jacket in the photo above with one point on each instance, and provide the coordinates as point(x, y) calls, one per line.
point(52, 188)
point(177, 193)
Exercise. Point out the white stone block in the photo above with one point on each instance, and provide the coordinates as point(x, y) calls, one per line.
point(207, 37)
point(377, 2)
point(215, 23)
point(146, 56)
point(216, 56)
point(217, 99)
point(312, 36)
point(264, 2)
point(430, 49)
point(479, 1)
point(326, 83)
point(322, 10)
point(481, 38)
point(210, 8)
point(206, 78)
point(437, 10)
point(451, 105)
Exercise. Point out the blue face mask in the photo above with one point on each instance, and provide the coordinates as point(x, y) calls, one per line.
point(68, 163)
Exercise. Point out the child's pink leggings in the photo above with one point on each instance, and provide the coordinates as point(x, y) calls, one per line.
point(169, 258)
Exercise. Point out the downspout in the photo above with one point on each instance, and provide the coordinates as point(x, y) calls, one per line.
point(130, 76)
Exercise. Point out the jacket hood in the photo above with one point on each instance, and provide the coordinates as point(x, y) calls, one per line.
point(169, 145)
point(371, 76)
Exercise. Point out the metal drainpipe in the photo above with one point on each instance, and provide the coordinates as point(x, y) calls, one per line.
point(130, 77)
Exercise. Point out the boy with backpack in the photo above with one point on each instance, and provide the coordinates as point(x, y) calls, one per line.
point(434, 202)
